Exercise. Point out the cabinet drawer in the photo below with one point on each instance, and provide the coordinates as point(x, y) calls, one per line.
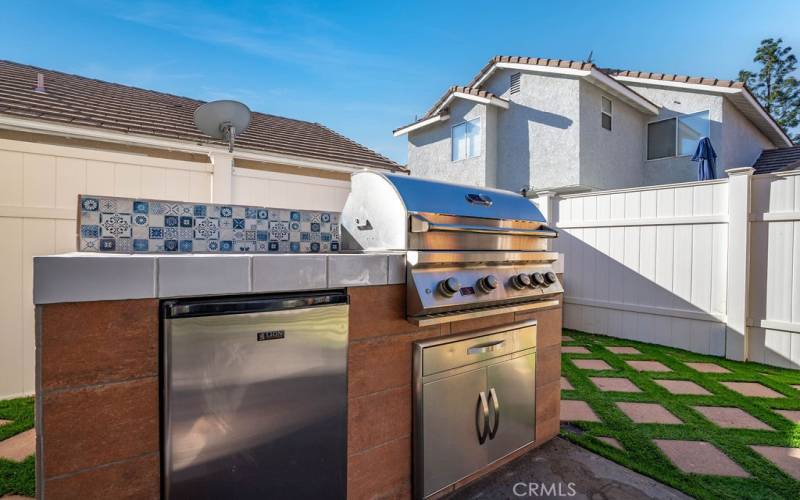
point(461, 351)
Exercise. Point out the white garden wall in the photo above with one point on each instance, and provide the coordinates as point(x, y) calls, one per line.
point(664, 264)
point(39, 186)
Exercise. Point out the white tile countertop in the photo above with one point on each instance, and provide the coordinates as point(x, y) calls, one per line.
point(83, 277)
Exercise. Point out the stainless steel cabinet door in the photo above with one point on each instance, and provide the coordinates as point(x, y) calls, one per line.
point(452, 419)
point(256, 405)
point(512, 389)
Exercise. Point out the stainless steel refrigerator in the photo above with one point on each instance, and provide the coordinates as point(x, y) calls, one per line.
point(255, 397)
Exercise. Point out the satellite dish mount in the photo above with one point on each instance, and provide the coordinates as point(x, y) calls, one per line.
point(223, 120)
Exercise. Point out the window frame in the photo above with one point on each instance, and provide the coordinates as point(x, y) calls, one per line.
point(464, 122)
point(677, 119)
point(610, 114)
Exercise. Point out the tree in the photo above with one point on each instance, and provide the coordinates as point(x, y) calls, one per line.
point(774, 85)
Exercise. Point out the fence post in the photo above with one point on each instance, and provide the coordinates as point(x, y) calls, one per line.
point(221, 180)
point(546, 201)
point(738, 289)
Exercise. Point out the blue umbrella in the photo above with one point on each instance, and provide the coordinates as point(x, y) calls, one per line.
point(707, 157)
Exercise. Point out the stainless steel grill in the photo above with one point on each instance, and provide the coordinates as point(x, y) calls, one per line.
point(471, 251)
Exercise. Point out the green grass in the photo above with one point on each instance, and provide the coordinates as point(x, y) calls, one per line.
point(642, 455)
point(17, 478)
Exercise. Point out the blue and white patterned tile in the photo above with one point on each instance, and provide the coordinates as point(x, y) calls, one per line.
point(127, 225)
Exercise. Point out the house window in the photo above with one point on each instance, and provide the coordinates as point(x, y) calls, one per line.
point(514, 88)
point(605, 112)
point(676, 136)
point(466, 140)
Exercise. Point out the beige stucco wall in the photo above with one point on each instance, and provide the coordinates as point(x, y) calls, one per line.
point(613, 158)
point(429, 149)
point(742, 142)
point(538, 142)
point(674, 102)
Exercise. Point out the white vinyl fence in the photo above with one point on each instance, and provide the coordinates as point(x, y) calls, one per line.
point(672, 264)
point(39, 187)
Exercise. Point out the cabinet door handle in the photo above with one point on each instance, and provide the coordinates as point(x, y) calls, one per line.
point(486, 347)
point(496, 406)
point(482, 415)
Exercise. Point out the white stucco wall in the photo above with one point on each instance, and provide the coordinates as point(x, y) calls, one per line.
point(742, 142)
point(537, 142)
point(613, 158)
point(429, 149)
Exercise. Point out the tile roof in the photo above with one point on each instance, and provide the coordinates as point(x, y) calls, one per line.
point(76, 100)
point(458, 88)
point(434, 110)
point(539, 61)
point(775, 160)
point(698, 80)
point(567, 63)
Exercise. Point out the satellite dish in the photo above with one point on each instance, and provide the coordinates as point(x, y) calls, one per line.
point(222, 120)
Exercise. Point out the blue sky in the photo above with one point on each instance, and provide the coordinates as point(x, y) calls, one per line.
point(365, 68)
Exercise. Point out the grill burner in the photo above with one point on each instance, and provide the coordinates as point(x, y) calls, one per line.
point(470, 251)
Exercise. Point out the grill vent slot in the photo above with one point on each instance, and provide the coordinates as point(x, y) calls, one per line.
point(515, 83)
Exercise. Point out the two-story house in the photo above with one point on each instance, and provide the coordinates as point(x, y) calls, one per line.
point(546, 124)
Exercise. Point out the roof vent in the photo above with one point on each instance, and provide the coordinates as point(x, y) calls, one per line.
point(514, 83)
point(40, 83)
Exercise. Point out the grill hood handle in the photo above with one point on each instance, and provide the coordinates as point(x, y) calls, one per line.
point(419, 224)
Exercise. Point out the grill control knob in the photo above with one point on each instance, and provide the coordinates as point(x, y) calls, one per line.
point(537, 280)
point(449, 287)
point(521, 281)
point(550, 277)
point(487, 283)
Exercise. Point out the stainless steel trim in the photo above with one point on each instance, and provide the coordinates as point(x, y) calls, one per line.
point(482, 406)
point(487, 347)
point(437, 319)
point(415, 257)
point(420, 224)
point(496, 408)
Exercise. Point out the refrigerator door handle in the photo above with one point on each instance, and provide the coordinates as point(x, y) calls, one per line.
point(496, 407)
point(482, 414)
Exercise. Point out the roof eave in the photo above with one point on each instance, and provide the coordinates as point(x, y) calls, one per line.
point(64, 130)
point(420, 124)
point(740, 97)
point(592, 75)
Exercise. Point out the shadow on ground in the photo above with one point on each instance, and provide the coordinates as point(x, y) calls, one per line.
point(560, 469)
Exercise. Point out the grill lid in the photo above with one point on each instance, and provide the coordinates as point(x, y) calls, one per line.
point(426, 196)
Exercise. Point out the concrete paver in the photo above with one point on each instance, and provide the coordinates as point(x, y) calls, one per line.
point(623, 350)
point(575, 410)
point(699, 457)
point(786, 459)
point(614, 384)
point(591, 364)
point(731, 418)
point(575, 349)
point(648, 366)
point(707, 368)
point(793, 415)
point(648, 413)
point(19, 447)
point(682, 387)
point(752, 389)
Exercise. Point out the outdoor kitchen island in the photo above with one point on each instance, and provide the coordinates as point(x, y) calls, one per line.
point(98, 411)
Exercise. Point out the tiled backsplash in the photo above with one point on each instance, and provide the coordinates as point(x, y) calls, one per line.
point(132, 225)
